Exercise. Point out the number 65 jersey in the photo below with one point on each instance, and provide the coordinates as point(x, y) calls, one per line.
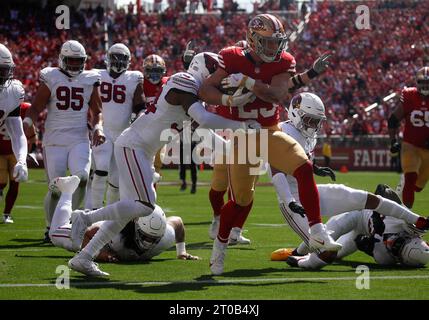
point(67, 119)
point(416, 113)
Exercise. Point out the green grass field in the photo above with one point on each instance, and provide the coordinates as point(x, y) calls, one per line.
point(27, 266)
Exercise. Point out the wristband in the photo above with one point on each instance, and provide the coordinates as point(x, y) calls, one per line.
point(226, 100)
point(312, 73)
point(249, 83)
point(28, 121)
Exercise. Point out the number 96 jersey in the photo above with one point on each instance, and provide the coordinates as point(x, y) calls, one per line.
point(416, 112)
point(67, 119)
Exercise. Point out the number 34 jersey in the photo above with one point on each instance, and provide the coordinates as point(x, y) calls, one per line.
point(416, 112)
point(117, 98)
point(67, 119)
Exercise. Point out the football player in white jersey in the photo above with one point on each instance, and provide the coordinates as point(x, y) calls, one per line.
point(68, 92)
point(135, 149)
point(390, 241)
point(11, 96)
point(306, 113)
point(141, 239)
point(121, 93)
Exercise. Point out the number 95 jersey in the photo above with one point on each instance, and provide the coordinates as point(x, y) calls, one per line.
point(416, 113)
point(67, 117)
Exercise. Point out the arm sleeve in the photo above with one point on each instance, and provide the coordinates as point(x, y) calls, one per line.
point(210, 120)
point(19, 141)
point(282, 188)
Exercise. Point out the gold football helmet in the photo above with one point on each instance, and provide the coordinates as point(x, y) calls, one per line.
point(266, 36)
point(422, 78)
point(154, 68)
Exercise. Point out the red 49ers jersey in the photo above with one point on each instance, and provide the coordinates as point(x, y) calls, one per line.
point(5, 144)
point(236, 60)
point(416, 113)
point(151, 92)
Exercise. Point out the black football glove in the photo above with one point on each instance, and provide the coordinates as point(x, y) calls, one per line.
point(395, 147)
point(377, 224)
point(366, 243)
point(297, 208)
point(188, 55)
point(324, 172)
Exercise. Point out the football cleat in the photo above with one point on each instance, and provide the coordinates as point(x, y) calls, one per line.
point(7, 219)
point(86, 266)
point(293, 261)
point(217, 259)
point(46, 238)
point(236, 237)
point(281, 254)
point(78, 229)
point(323, 241)
point(64, 184)
point(214, 228)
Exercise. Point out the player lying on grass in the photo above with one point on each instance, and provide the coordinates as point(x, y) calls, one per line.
point(307, 113)
point(390, 241)
point(141, 239)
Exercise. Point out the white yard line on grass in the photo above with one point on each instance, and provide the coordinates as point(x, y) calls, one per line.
point(226, 281)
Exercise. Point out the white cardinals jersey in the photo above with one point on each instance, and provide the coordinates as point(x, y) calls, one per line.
point(10, 100)
point(127, 254)
point(67, 119)
point(117, 98)
point(147, 131)
point(308, 144)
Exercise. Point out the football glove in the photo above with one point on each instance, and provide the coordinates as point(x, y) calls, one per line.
point(395, 147)
point(324, 172)
point(295, 207)
point(366, 243)
point(320, 65)
point(238, 99)
point(188, 55)
point(238, 80)
point(20, 172)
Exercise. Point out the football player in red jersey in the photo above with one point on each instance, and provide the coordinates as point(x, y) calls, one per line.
point(414, 108)
point(154, 70)
point(268, 71)
point(7, 163)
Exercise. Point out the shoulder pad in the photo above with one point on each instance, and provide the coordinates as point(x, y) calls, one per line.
point(18, 89)
point(46, 73)
point(185, 82)
point(91, 77)
point(136, 76)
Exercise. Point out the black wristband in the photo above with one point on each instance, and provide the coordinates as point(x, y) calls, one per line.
point(312, 73)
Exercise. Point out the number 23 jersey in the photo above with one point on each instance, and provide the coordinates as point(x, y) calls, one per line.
point(67, 119)
point(416, 113)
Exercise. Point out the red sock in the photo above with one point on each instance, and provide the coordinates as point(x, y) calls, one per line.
point(216, 200)
point(229, 213)
point(242, 216)
point(11, 196)
point(308, 193)
point(409, 188)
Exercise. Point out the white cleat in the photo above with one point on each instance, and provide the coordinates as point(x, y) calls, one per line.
point(86, 266)
point(7, 219)
point(64, 184)
point(323, 240)
point(236, 237)
point(78, 228)
point(217, 258)
point(214, 228)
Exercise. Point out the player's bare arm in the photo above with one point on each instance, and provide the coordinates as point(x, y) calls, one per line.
point(138, 100)
point(97, 119)
point(179, 231)
point(39, 104)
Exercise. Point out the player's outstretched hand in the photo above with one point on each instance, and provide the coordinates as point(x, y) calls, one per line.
point(322, 63)
point(187, 256)
point(324, 172)
point(297, 208)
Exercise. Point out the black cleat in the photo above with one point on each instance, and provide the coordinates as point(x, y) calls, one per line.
point(47, 239)
point(183, 186)
point(194, 189)
point(293, 261)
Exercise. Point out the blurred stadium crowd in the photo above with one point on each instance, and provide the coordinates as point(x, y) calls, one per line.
point(366, 66)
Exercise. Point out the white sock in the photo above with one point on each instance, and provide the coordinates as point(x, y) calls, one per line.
point(390, 208)
point(108, 230)
point(50, 204)
point(97, 189)
point(312, 261)
point(121, 210)
point(316, 228)
point(88, 195)
point(79, 195)
point(62, 212)
point(112, 194)
point(302, 249)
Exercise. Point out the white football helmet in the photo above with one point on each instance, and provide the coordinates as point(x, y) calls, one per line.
point(72, 58)
point(307, 113)
point(203, 65)
point(118, 58)
point(7, 67)
point(150, 229)
point(415, 252)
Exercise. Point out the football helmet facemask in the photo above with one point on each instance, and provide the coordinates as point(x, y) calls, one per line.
point(422, 78)
point(154, 68)
point(150, 229)
point(266, 36)
point(7, 67)
point(72, 58)
point(307, 113)
point(118, 58)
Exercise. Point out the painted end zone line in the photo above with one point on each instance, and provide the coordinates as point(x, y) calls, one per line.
point(226, 281)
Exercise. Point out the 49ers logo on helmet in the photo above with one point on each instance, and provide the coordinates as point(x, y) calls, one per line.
point(257, 24)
